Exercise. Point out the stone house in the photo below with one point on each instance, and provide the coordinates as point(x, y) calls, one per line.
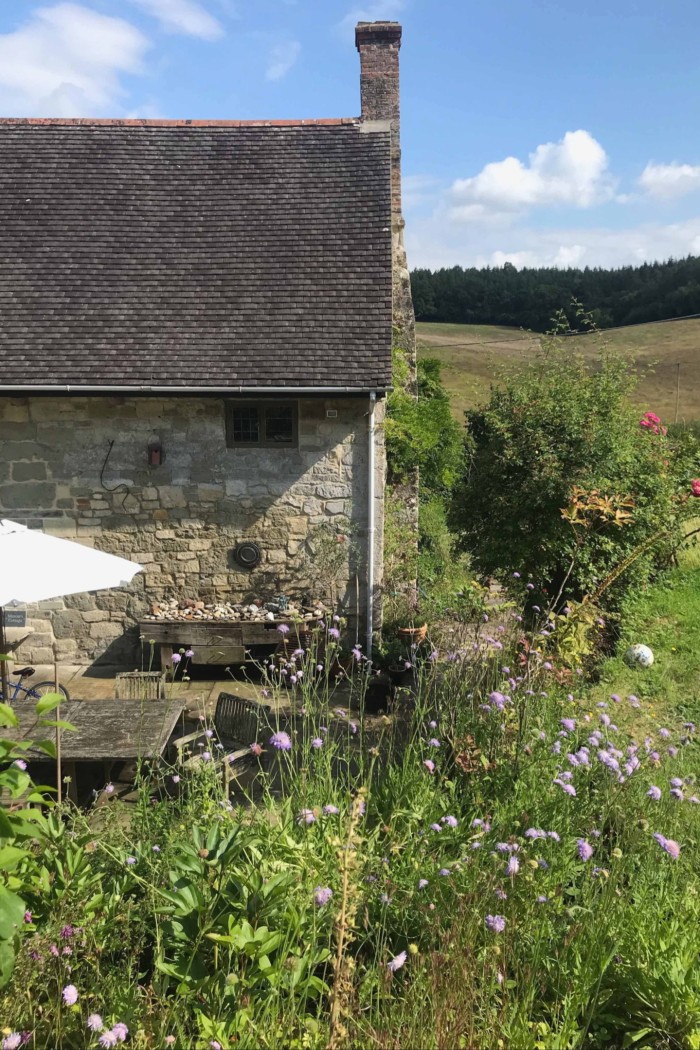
point(195, 348)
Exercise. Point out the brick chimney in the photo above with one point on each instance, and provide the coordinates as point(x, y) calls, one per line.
point(378, 44)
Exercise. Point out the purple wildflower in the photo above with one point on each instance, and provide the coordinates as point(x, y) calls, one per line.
point(451, 822)
point(584, 849)
point(569, 724)
point(677, 794)
point(396, 963)
point(330, 810)
point(422, 883)
point(281, 741)
point(670, 846)
point(322, 894)
point(513, 866)
point(306, 816)
point(12, 1041)
point(435, 827)
point(189, 653)
point(495, 923)
point(121, 1031)
point(108, 1039)
point(175, 658)
point(429, 765)
point(542, 899)
point(444, 871)
point(334, 633)
point(535, 833)
point(434, 742)
point(654, 792)
point(95, 1022)
point(283, 628)
point(70, 995)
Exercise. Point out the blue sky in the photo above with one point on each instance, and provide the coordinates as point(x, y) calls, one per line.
point(533, 131)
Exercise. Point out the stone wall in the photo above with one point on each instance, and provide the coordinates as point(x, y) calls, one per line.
point(77, 467)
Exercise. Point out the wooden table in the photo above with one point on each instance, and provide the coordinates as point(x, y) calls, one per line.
point(106, 731)
point(216, 641)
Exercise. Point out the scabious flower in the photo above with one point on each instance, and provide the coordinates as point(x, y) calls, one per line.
point(434, 742)
point(422, 883)
point(281, 741)
point(513, 866)
point(654, 792)
point(12, 1041)
point(569, 724)
point(429, 765)
point(322, 894)
point(535, 833)
point(175, 658)
point(396, 963)
point(95, 1022)
point(256, 749)
point(283, 628)
point(569, 789)
point(495, 923)
point(451, 821)
point(108, 1039)
point(330, 810)
point(317, 742)
point(584, 849)
point(669, 846)
point(665, 733)
point(121, 1031)
point(334, 633)
point(677, 794)
point(435, 827)
point(70, 995)
point(444, 871)
point(306, 816)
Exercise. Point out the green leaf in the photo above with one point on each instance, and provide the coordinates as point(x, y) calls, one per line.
point(633, 1037)
point(8, 716)
point(11, 913)
point(48, 702)
point(10, 856)
point(7, 962)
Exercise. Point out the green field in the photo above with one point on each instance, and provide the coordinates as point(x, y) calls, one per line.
point(473, 356)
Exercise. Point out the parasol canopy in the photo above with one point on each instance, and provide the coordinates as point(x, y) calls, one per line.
point(35, 566)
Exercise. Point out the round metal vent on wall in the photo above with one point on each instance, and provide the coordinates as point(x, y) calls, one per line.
point(247, 554)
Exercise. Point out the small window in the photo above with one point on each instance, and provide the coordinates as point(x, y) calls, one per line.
point(271, 424)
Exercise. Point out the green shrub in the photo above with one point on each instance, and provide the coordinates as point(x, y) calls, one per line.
point(562, 483)
point(420, 430)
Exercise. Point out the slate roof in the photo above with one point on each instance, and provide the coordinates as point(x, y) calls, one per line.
point(215, 255)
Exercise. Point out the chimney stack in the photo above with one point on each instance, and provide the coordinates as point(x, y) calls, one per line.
point(378, 44)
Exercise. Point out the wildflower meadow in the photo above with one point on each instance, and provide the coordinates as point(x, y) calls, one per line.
point(506, 859)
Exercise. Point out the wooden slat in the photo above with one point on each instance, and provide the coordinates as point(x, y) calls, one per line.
point(104, 729)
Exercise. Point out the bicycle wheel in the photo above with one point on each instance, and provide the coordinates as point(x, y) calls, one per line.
point(42, 688)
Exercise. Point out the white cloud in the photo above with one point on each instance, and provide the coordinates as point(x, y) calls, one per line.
point(419, 189)
point(436, 241)
point(66, 61)
point(372, 11)
point(281, 59)
point(183, 16)
point(570, 172)
point(670, 180)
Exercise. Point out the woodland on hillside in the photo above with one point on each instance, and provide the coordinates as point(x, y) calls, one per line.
point(528, 298)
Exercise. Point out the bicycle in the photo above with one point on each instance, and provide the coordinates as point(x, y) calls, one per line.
point(36, 691)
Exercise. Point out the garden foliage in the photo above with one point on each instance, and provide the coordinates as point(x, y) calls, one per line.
point(563, 483)
point(503, 861)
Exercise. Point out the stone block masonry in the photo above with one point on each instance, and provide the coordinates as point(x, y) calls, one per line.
point(77, 467)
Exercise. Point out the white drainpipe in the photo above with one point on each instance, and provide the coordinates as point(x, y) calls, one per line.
point(370, 528)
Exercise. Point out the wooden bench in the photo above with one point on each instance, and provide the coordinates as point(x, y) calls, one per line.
point(237, 724)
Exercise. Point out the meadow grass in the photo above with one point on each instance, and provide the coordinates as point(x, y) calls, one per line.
point(473, 355)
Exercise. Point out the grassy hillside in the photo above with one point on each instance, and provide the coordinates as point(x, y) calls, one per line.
point(473, 356)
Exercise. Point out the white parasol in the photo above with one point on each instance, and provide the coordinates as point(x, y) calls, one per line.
point(35, 566)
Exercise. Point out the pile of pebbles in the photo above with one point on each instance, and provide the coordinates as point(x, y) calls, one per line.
point(255, 612)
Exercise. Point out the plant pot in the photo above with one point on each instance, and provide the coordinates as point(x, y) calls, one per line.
point(413, 635)
point(401, 675)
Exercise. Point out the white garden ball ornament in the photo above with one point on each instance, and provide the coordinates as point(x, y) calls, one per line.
point(639, 656)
